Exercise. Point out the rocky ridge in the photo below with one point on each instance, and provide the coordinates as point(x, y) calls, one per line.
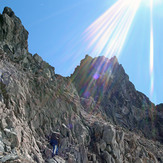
point(34, 102)
point(110, 87)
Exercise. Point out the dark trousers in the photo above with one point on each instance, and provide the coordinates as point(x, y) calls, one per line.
point(54, 143)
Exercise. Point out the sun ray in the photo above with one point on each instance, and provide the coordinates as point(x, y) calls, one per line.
point(151, 50)
point(107, 35)
point(117, 42)
point(107, 30)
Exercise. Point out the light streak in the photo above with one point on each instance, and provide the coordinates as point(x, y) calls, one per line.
point(151, 50)
point(108, 33)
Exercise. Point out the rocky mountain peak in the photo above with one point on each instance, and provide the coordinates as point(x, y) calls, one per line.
point(14, 45)
point(106, 82)
point(13, 35)
point(8, 11)
point(99, 72)
point(97, 112)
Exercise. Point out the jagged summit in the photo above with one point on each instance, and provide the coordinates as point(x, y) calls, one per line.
point(9, 12)
point(13, 35)
point(14, 44)
point(101, 73)
point(100, 116)
point(106, 81)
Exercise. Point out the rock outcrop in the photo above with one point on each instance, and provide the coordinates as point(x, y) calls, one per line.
point(34, 102)
point(13, 41)
point(158, 121)
point(107, 83)
point(13, 35)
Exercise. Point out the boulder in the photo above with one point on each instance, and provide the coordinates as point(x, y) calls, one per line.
point(9, 157)
point(138, 160)
point(102, 145)
point(98, 130)
point(12, 137)
point(37, 58)
point(109, 134)
point(107, 157)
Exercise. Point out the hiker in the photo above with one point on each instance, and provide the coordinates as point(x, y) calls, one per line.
point(54, 141)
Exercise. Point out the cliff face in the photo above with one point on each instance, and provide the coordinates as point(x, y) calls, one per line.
point(107, 83)
point(34, 102)
point(13, 36)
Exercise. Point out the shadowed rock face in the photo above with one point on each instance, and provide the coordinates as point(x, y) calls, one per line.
point(106, 81)
point(159, 121)
point(34, 102)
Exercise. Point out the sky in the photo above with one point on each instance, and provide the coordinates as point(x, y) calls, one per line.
point(60, 32)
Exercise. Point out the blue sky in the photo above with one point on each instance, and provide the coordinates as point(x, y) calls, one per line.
point(55, 32)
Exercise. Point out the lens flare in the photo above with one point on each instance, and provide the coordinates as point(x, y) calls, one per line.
point(151, 51)
point(107, 35)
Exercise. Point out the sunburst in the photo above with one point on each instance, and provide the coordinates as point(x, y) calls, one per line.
point(151, 50)
point(107, 35)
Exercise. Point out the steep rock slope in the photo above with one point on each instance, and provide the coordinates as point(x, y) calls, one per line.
point(159, 121)
point(106, 81)
point(34, 102)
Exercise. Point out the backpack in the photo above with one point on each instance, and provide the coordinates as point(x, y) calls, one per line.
point(55, 138)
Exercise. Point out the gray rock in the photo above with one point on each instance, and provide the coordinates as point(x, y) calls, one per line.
point(51, 161)
point(37, 58)
point(6, 142)
point(10, 157)
point(138, 160)
point(98, 130)
point(109, 134)
point(119, 136)
point(102, 144)
point(3, 123)
point(13, 34)
point(94, 157)
point(12, 136)
point(108, 148)
point(8, 148)
point(8, 11)
point(116, 151)
point(25, 62)
point(1, 147)
point(48, 152)
point(71, 158)
point(83, 151)
point(65, 130)
point(107, 157)
point(117, 96)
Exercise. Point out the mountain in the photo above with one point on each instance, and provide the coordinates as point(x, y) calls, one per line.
point(106, 81)
point(97, 111)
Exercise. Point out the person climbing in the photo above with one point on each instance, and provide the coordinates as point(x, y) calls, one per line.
point(54, 142)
